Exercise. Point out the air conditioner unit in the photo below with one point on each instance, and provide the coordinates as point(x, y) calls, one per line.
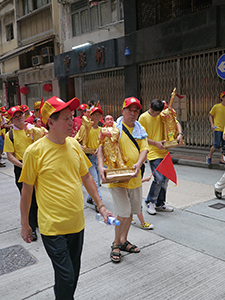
point(48, 59)
point(47, 51)
point(37, 60)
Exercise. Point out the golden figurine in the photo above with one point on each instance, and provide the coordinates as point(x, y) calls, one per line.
point(112, 152)
point(114, 158)
point(169, 118)
point(35, 131)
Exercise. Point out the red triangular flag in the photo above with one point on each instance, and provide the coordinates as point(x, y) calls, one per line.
point(166, 168)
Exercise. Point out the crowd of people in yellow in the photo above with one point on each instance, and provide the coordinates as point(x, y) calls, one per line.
point(54, 153)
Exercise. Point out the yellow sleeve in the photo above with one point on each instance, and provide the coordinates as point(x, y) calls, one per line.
point(29, 170)
point(8, 145)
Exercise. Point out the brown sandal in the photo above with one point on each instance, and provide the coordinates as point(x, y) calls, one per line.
point(115, 254)
point(123, 247)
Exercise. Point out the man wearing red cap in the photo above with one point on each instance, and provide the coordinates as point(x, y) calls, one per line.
point(127, 196)
point(16, 143)
point(217, 121)
point(57, 166)
point(26, 111)
point(92, 143)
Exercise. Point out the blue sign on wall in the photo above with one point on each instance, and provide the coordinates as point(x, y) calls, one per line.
point(220, 67)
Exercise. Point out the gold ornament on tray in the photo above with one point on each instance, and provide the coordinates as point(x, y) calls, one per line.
point(113, 155)
point(169, 117)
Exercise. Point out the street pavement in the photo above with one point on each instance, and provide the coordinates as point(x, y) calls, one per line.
point(182, 258)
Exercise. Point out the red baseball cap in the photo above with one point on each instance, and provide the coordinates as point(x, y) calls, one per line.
point(131, 100)
point(3, 109)
point(13, 110)
point(83, 106)
point(55, 104)
point(222, 94)
point(24, 107)
point(94, 109)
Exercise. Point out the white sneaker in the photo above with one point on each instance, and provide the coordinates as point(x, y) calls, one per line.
point(151, 208)
point(133, 221)
point(147, 226)
point(164, 208)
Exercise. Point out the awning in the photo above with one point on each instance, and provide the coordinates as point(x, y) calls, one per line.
point(15, 52)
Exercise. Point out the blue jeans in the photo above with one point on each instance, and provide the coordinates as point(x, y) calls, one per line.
point(157, 192)
point(94, 173)
point(218, 139)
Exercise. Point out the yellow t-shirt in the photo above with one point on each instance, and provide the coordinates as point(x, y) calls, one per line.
point(93, 138)
point(19, 145)
point(131, 151)
point(55, 171)
point(154, 128)
point(218, 112)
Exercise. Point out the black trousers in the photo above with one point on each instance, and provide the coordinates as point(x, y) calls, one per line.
point(33, 207)
point(65, 253)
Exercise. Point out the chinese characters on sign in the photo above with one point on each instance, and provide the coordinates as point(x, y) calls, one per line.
point(67, 62)
point(100, 55)
point(82, 59)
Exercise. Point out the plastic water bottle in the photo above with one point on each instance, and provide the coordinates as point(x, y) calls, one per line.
point(111, 220)
point(215, 127)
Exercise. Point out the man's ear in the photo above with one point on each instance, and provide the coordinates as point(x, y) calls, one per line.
point(50, 122)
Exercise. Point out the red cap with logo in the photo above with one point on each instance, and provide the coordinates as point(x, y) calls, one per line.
point(83, 106)
point(94, 109)
point(24, 107)
point(131, 100)
point(3, 109)
point(55, 104)
point(13, 110)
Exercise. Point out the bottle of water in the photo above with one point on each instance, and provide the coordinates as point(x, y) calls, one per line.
point(215, 127)
point(111, 220)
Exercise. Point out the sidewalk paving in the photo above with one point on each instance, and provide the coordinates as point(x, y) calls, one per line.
point(182, 258)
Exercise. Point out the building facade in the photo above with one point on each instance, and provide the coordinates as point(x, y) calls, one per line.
point(166, 44)
point(29, 32)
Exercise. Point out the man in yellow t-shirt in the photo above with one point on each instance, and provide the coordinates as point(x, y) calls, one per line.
point(217, 121)
point(127, 196)
point(56, 166)
point(15, 145)
point(152, 123)
point(92, 143)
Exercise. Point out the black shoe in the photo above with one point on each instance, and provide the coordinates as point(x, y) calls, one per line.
point(90, 201)
point(218, 194)
point(34, 236)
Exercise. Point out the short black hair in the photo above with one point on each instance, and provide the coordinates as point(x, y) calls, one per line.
point(54, 117)
point(91, 101)
point(35, 120)
point(157, 105)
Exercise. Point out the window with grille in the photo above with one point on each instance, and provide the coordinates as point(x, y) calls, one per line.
point(88, 16)
point(9, 32)
point(30, 5)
